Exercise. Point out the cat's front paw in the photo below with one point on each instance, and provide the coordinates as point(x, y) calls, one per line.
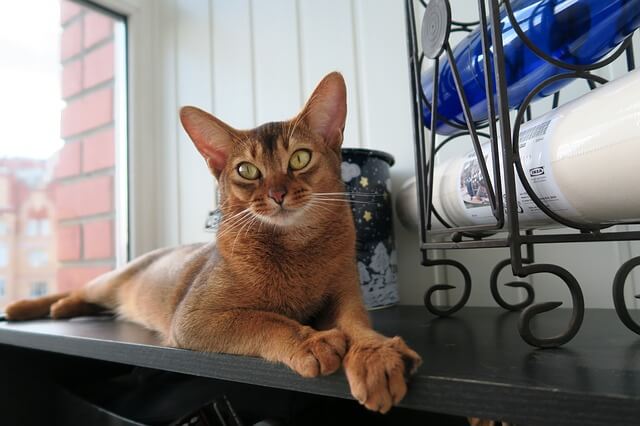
point(320, 353)
point(377, 368)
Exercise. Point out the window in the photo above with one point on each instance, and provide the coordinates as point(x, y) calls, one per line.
point(38, 258)
point(32, 228)
point(37, 227)
point(39, 288)
point(3, 284)
point(62, 114)
point(4, 256)
point(44, 227)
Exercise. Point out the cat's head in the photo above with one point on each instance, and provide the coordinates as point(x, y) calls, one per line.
point(278, 171)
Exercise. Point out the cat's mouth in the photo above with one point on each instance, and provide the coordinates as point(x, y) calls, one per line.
point(282, 216)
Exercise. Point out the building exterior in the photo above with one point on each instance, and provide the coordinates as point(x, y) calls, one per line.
point(28, 259)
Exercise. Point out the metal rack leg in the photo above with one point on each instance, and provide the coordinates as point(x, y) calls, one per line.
point(466, 291)
point(495, 273)
point(618, 294)
point(493, 284)
point(577, 314)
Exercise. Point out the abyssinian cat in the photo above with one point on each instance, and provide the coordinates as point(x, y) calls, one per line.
point(280, 282)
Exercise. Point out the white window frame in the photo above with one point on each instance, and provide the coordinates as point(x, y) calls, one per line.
point(148, 153)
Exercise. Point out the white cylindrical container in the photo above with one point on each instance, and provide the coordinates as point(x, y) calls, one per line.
point(581, 159)
point(407, 204)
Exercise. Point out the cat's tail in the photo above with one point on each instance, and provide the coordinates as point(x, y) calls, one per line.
point(32, 308)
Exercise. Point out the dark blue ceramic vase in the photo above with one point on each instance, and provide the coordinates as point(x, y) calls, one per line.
point(366, 176)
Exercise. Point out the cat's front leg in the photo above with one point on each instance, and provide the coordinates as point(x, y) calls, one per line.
point(268, 335)
point(376, 366)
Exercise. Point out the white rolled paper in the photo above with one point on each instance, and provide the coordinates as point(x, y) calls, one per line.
point(581, 159)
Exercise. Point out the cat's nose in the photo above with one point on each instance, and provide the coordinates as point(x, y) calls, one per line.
point(277, 195)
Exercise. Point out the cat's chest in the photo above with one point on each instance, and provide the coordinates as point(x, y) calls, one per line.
point(294, 289)
point(291, 286)
point(292, 281)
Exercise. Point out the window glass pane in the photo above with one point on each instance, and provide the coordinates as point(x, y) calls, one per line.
point(38, 289)
point(61, 88)
point(37, 258)
point(4, 255)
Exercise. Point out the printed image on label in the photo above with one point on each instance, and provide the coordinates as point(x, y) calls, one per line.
point(473, 193)
point(473, 188)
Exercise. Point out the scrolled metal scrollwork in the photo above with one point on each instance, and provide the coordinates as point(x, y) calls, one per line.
point(618, 294)
point(493, 285)
point(493, 282)
point(466, 291)
point(577, 314)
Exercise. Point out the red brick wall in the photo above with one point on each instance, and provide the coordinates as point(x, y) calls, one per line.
point(84, 174)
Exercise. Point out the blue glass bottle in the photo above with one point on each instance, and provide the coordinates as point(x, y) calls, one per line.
point(578, 32)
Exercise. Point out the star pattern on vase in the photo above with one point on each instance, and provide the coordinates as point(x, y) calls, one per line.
point(364, 181)
point(367, 215)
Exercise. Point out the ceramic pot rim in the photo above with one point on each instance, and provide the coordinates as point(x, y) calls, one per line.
point(369, 153)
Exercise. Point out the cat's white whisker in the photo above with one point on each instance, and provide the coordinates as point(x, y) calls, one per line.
point(313, 205)
point(229, 228)
point(247, 223)
point(255, 219)
point(352, 194)
point(316, 201)
point(344, 200)
point(235, 215)
point(229, 222)
point(235, 224)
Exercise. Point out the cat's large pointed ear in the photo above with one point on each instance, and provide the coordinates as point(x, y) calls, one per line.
point(212, 137)
point(325, 112)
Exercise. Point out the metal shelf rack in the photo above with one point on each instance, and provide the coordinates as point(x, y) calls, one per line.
point(503, 201)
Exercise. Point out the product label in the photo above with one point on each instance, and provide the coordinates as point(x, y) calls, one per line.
point(534, 155)
point(536, 162)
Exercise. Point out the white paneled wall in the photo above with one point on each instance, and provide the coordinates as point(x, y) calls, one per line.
point(255, 61)
point(252, 61)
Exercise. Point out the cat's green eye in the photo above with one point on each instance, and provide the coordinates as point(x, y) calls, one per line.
point(248, 171)
point(300, 159)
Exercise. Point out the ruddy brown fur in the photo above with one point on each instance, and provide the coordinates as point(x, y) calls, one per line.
point(280, 282)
